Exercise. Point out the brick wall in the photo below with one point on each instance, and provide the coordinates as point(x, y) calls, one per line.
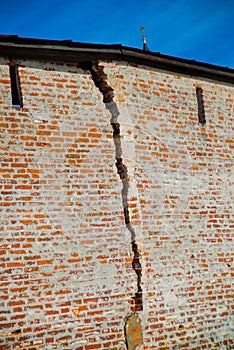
point(115, 201)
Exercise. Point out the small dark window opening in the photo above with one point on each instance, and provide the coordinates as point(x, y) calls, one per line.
point(16, 95)
point(200, 104)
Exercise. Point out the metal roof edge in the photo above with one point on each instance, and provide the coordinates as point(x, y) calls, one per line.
point(69, 51)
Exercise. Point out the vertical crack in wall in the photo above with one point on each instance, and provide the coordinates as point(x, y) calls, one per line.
point(100, 80)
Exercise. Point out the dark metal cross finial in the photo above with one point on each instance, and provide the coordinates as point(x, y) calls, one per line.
point(143, 34)
point(145, 48)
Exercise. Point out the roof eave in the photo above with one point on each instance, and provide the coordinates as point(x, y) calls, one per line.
point(67, 51)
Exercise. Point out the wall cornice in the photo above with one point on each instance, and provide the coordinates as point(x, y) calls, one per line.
point(15, 47)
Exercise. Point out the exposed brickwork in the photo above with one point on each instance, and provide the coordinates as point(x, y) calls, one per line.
point(67, 278)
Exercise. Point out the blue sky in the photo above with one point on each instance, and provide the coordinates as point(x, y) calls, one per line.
point(194, 29)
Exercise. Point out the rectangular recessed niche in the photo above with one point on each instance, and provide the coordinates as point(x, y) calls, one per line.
point(200, 104)
point(16, 95)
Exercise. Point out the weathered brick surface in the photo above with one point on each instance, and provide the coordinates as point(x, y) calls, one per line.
point(67, 280)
